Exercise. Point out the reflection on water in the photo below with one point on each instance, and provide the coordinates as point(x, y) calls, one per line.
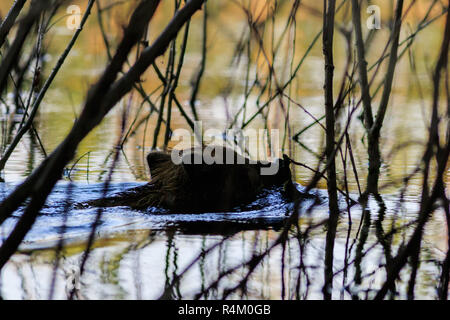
point(139, 254)
point(223, 93)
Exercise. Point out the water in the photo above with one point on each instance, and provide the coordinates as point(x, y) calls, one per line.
point(268, 211)
point(137, 254)
point(141, 230)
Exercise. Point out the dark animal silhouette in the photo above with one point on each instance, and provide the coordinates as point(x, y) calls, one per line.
point(197, 185)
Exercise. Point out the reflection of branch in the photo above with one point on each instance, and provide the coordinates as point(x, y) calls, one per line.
point(256, 259)
point(99, 212)
point(177, 277)
point(60, 245)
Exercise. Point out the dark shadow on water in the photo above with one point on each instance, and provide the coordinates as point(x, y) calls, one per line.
point(226, 227)
point(268, 212)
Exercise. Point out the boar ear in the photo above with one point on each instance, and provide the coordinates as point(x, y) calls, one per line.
point(156, 159)
point(286, 161)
